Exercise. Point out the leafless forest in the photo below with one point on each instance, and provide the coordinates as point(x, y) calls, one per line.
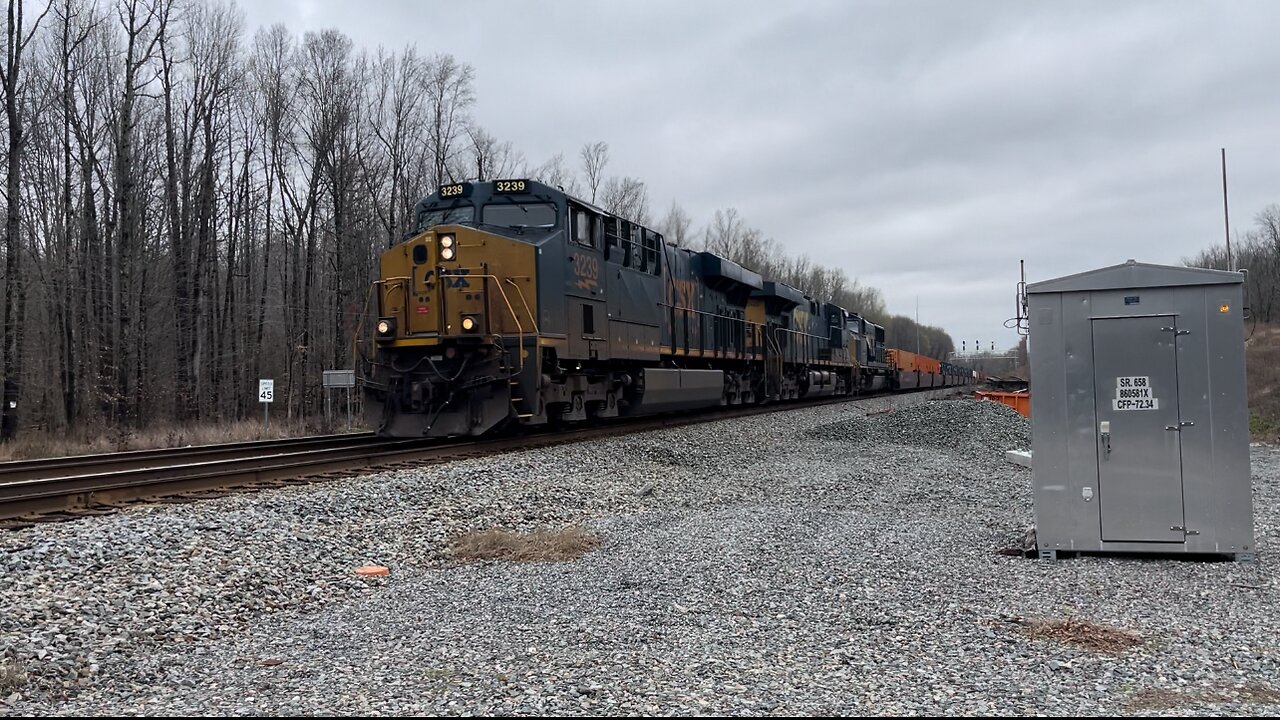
point(192, 206)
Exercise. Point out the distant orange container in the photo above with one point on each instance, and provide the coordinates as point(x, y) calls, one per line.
point(1019, 401)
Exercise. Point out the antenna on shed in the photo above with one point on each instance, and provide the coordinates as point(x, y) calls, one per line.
point(1021, 319)
point(1226, 218)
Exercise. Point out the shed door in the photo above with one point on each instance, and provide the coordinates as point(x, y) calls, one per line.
point(1135, 376)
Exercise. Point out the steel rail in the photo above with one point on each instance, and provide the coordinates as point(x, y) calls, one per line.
point(137, 459)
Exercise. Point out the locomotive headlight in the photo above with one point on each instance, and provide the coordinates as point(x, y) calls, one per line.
point(468, 323)
point(446, 241)
point(447, 253)
point(384, 327)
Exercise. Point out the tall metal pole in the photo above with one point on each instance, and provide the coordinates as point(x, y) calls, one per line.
point(1226, 219)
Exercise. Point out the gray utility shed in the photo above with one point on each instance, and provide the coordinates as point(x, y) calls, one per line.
point(1138, 412)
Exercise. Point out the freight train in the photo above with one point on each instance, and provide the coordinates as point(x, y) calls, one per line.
point(514, 303)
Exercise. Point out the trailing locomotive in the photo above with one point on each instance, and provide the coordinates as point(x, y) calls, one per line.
point(513, 302)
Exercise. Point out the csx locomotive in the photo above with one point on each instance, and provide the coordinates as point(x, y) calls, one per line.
point(514, 302)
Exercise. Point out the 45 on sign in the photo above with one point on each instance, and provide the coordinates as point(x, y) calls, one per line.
point(266, 391)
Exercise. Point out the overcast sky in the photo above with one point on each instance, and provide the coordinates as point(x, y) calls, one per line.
point(924, 147)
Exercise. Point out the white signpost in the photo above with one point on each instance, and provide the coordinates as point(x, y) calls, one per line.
point(266, 394)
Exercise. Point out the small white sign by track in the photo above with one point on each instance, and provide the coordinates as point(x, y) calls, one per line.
point(266, 391)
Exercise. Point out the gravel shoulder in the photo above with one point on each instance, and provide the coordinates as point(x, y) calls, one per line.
point(833, 560)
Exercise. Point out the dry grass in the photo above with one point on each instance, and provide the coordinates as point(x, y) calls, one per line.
point(13, 676)
point(1085, 634)
point(1157, 699)
point(1262, 357)
point(538, 546)
point(42, 444)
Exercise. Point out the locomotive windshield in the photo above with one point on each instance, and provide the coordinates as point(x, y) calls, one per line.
point(520, 215)
point(454, 215)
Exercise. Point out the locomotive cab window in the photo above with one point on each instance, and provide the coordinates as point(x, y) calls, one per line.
point(628, 245)
point(520, 216)
point(640, 252)
point(582, 227)
point(451, 215)
point(652, 243)
point(611, 231)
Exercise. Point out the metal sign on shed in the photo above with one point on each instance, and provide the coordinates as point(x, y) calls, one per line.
point(340, 378)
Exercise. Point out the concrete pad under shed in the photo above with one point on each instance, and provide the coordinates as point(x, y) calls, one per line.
point(1019, 457)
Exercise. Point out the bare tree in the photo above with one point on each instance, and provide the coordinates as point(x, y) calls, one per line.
point(396, 119)
point(450, 95)
point(627, 198)
point(595, 156)
point(729, 237)
point(492, 159)
point(75, 25)
point(676, 227)
point(144, 26)
point(16, 105)
point(326, 87)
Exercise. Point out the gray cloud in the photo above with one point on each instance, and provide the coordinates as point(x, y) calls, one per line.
point(925, 147)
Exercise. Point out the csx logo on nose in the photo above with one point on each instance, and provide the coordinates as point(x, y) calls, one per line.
point(454, 280)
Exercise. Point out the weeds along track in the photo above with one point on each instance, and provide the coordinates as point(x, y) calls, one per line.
point(67, 488)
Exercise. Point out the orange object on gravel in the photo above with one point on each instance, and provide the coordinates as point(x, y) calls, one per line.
point(372, 571)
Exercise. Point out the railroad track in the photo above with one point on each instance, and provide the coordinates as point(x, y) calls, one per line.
point(138, 459)
point(66, 488)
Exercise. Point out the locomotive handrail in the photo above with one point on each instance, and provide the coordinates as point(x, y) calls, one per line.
point(532, 318)
point(498, 283)
point(395, 282)
point(799, 332)
point(776, 356)
point(747, 324)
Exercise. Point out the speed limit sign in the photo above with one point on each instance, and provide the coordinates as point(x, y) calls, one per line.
point(266, 390)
